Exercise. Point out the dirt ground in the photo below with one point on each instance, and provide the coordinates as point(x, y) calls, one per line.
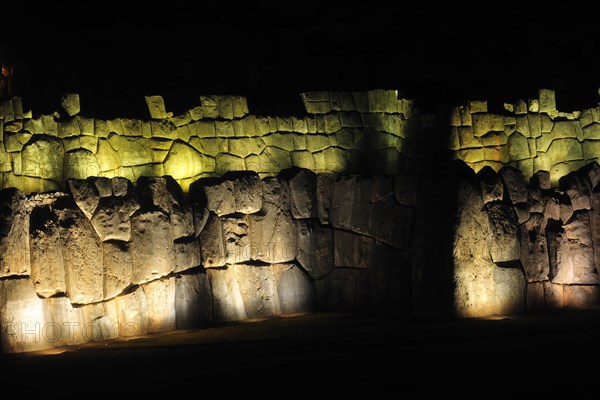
point(337, 353)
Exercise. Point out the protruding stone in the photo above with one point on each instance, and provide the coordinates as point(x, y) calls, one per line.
point(70, 103)
point(160, 295)
point(594, 175)
point(14, 234)
point(156, 107)
point(104, 186)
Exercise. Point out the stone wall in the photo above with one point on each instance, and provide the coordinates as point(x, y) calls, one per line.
point(109, 258)
point(520, 245)
point(342, 132)
point(528, 135)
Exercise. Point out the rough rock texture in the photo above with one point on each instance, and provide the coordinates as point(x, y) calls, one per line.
point(160, 295)
point(193, 300)
point(272, 231)
point(151, 230)
point(315, 242)
point(111, 258)
point(14, 234)
point(474, 293)
point(84, 275)
point(47, 264)
point(23, 317)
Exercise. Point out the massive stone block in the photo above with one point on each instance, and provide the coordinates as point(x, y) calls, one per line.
point(86, 195)
point(84, 275)
point(212, 244)
point(351, 249)
point(43, 157)
point(571, 252)
point(503, 242)
point(474, 291)
point(165, 194)
point(14, 234)
point(258, 290)
point(325, 185)
point(272, 231)
point(132, 313)
point(510, 290)
point(111, 217)
point(314, 248)
point(100, 321)
point(303, 199)
point(118, 264)
point(239, 195)
point(193, 300)
point(228, 304)
point(294, 288)
point(47, 264)
point(534, 250)
point(160, 295)
point(66, 324)
point(515, 184)
point(187, 254)
point(151, 230)
point(23, 317)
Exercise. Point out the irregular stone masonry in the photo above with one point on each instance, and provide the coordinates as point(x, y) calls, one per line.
point(109, 258)
point(342, 132)
point(520, 244)
point(529, 135)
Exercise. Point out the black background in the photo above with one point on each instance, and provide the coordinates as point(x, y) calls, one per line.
point(113, 53)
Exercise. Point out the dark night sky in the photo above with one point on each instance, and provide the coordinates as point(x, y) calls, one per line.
point(113, 53)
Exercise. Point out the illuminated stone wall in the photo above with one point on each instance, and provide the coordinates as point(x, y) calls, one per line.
point(529, 135)
point(519, 244)
point(125, 227)
point(110, 259)
point(341, 132)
